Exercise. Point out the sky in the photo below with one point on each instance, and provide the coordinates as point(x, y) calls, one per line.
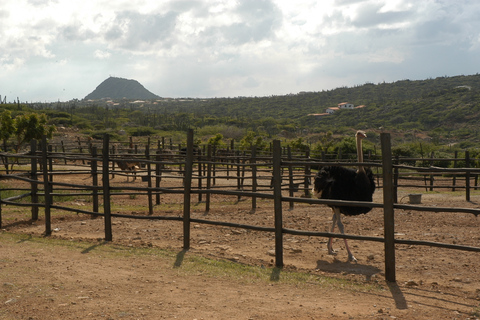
point(59, 50)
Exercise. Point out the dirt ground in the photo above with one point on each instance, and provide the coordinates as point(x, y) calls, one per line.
point(59, 282)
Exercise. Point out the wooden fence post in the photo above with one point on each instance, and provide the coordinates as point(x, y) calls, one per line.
point(454, 178)
point(214, 157)
point(467, 175)
point(388, 211)
point(209, 177)
point(149, 178)
point(290, 177)
point(187, 191)
point(432, 177)
point(50, 163)
point(46, 187)
point(200, 174)
point(80, 149)
point(34, 185)
point(63, 150)
point(94, 181)
point(277, 193)
point(158, 176)
point(395, 180)
point(237, 160)
point(114, 151)
point(106, 189)
point(308, 173)
point(253, 161)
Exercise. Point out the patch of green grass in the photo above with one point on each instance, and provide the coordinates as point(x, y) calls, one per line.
point(80, 195)
point(187, 263)
point(9, 193)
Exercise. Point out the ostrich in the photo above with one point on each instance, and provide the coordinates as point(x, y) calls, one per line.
point(128, 166)
point(339, 183)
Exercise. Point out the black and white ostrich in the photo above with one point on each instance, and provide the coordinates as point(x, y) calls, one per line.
point(128, 167)
point(339, 183)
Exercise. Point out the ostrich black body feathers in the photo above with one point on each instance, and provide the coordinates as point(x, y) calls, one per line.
point(339, 183)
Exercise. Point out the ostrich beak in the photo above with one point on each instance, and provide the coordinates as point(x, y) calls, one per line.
point(361, 134)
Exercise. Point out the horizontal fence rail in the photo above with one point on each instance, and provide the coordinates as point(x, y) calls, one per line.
point(197, 172)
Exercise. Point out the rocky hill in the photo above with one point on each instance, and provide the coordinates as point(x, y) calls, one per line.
point(119, 88)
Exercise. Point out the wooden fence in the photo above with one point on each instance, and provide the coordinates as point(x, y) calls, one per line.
point(275, 176)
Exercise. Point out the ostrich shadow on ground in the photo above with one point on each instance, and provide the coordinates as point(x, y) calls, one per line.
point(337, 266)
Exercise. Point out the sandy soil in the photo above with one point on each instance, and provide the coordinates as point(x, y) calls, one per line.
point(68, 282)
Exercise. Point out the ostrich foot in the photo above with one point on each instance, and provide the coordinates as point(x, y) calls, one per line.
point(330, 250)
point(351, 258)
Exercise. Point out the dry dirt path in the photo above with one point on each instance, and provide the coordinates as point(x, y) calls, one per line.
point(92, 280)
point(79, 277)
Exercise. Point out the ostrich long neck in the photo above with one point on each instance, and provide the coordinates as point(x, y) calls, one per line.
point(360, 154)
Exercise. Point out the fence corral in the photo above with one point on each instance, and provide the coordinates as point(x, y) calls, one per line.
point(203, 172)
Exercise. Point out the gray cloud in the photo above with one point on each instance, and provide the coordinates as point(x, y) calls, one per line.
point(225, 48)
point(259, 20)
point(133, 30)
point(369, 15)
point(42, 3)
point(75, 32)
point(348, 2)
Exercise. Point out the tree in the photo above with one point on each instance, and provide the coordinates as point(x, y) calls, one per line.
point(7, 127)
point(31, 126)
point(299, 144)
point(325, 143)
point(183, 121)
point(347, 147)
point(252, 139)
point(216, 140)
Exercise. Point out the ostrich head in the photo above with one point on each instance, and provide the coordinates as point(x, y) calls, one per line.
point(360, 135)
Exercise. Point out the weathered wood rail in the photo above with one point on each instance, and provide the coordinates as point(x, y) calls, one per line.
point(276, 177)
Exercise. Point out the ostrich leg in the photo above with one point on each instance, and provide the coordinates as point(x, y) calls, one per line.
point(336, 216)
point(342, 231)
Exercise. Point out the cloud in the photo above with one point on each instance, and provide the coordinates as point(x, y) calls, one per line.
point(371, 15)
point(227, 48)
point(75, 32)
point(390, 54)
point(41, 3)
point(250, 82)
point(135, 31)
point(102, 54)
point(8, 63)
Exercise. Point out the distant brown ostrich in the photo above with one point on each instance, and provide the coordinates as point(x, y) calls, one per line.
point(339, 183)
point(128, 167)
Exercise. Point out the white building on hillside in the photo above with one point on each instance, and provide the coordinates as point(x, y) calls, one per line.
point(332, 110)
point(345, 105)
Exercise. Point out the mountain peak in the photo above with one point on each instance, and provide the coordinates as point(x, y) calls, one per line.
point(119, 88)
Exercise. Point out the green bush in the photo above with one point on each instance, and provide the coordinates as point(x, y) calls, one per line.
point(141, 131)
point(99, 135)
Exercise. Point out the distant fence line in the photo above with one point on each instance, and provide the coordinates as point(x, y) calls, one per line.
point(276, 177)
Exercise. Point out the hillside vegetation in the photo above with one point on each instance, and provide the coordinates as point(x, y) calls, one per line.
point(426, 115)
